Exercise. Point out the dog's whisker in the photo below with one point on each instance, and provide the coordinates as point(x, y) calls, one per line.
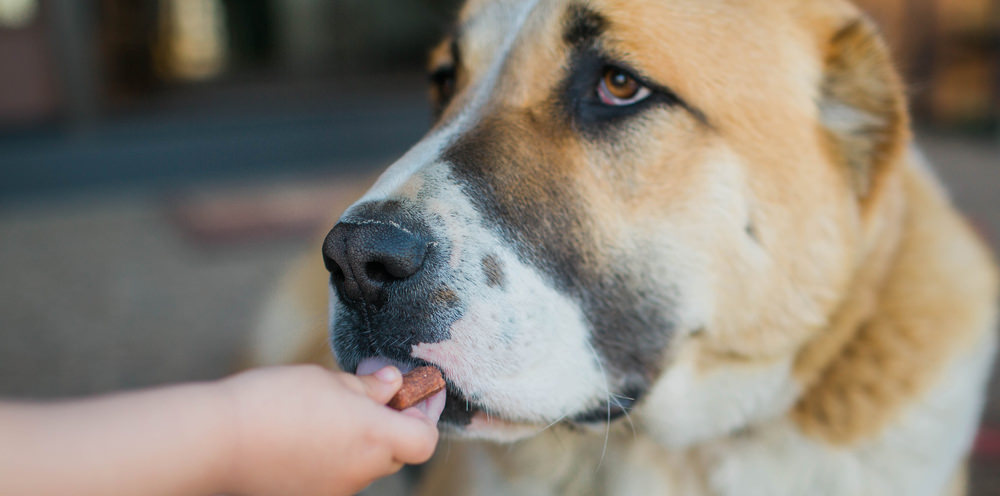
point(555, 434)
point(607, 392)
point(607, 435)
point(554, 422)
point(625, 411)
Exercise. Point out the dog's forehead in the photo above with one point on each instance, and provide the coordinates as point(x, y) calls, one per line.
point(487, 23)
point(710, 51)
point(496, 14)
point(488, 32)
point(514, 54)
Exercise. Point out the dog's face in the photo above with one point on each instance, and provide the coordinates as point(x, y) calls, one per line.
point(611, 188)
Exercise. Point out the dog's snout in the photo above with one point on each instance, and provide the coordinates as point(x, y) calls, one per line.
point(367, 258)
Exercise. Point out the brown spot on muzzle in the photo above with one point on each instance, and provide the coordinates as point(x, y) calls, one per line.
point(444, 296)
point(493, 271)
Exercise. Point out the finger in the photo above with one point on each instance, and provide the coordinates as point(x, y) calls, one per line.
point(383, 384)
point(410, 434)
point(392, 468)
point(383, 465)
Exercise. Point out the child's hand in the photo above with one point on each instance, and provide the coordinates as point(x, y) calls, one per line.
point(304, 430)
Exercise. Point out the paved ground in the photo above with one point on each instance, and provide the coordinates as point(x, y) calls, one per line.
point(119, 291)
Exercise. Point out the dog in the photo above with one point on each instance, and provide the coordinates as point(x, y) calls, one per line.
point(665, 247)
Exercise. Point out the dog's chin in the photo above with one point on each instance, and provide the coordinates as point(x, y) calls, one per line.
point(472, 422)
point(491, 428)
point(462, 418)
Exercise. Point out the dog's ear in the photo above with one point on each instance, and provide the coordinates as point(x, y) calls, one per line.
point(862, 105)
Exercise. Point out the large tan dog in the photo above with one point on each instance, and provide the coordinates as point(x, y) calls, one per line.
point(666, 247)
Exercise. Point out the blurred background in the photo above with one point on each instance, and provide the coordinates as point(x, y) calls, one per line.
point(163, 161)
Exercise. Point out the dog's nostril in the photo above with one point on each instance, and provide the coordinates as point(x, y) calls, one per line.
point(336, 273)
point(367, 259)
point(329, 262)
point(379, 272)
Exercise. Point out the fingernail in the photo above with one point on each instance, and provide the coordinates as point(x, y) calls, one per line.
point(387, 374)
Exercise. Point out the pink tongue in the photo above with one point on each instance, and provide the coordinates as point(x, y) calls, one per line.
point(373, 364)
point(431, 407)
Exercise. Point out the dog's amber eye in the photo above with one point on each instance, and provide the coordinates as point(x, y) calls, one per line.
point(620, 85)
point(618, 88)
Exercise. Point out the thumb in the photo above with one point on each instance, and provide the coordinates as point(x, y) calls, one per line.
point(383, 384)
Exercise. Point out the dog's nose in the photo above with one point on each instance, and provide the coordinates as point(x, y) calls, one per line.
point(368, 257)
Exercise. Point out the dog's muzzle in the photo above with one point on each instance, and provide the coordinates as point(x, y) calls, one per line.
point(389, 276)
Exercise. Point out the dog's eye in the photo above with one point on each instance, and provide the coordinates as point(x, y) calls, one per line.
point(443, 84)
point(618, 88)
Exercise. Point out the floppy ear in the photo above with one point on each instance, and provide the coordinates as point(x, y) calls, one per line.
point(862, 106)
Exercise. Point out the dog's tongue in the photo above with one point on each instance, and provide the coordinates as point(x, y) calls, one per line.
point(431, 407)
point(374, 364)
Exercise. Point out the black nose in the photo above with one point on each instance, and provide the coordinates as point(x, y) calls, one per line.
point(368, 257)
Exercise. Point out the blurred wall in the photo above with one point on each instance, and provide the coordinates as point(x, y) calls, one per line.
point(124, 92)
point(27, 68)
point(66, 60)
point(80, 59)
point(949, 53)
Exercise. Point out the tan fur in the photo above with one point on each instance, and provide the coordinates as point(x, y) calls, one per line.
point(930, 308)
point(302, 296)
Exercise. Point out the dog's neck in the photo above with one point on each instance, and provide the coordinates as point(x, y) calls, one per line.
point(891, 337)
point(884, 225)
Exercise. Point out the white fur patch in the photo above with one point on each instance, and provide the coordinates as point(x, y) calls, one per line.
point(915, 456)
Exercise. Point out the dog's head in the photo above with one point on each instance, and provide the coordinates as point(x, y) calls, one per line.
point(620, 203)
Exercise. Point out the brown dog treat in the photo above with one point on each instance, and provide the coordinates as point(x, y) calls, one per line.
point(418, 385)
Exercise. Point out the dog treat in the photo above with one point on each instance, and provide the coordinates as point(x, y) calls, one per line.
point(418, 385)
